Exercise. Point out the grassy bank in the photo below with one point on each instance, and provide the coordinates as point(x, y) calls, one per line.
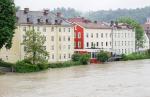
point(136, 56)
point(25, 67)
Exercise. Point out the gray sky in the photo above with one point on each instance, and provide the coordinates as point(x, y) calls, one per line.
point(82, 5)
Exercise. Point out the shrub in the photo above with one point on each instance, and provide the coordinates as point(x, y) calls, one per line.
point(136, 56)
point(43, 66)
point(23, 67)
point(76, 57)
point(6, 64)
point(64, 64)
point(102, 56)
point(84, 59)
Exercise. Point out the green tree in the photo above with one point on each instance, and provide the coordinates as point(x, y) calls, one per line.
point(7, 22)
point(84, 59)
point(76, 57)
point(138, 29)
point(35, 49)
point(102, 56)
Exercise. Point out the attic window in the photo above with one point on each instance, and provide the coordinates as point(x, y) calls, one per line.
point(56, 21)
point(38, 20)
point(28, 20)
point(46, 21)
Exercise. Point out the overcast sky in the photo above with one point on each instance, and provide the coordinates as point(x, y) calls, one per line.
point(82, 5)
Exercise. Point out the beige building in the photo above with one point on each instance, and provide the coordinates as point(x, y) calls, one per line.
point(58, 32)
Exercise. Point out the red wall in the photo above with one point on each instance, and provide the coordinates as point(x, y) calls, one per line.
point(78, 29)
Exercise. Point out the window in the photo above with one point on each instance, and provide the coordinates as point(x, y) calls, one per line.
point(125, 35)
point(92, 44)
point(52, 47)
point(106, 35)
point(106, 43)
point(68, 38)
point(53, 56)
point(101, 35)
point(110, 43)
point(96, 35)
point(91, 35)
point(52, 29)
point(64, 56)
point(38, 20)
point(87, 44)
point(28, 20)
point(118, 35)
point(69, 29)
point(44, 29)
point(69, 55)
point(59, 38)
point(46, 21)
point(97, 44)
point(118, 43)
point(24, 29)
point(122, 43)
point(101, 43)
point(87, 35)
point(79, 35)
point(128, 42)
point(64, 30)
point(79, 44)
point(64, 38)
point(52, 38)
point(59, 29)
point(110, 35)
point(69, 47)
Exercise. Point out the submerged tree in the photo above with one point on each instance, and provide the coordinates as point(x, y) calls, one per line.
point(7, 22)
point(34, 47)
point(139, 35)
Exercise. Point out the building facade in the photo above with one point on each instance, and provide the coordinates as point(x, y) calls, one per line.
point(58, 32)
point(91, 37)
point(147, 30)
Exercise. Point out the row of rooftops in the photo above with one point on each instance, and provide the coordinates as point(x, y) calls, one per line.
point(49, 18)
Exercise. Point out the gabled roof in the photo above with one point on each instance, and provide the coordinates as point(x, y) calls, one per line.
point(46, 17)
point(92, 25)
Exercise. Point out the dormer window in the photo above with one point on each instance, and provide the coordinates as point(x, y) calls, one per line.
point(46, 21)
point(56, 21)
point(38, 20)
point(28, 20)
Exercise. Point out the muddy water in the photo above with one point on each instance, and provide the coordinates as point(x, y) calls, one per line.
point(117, 79)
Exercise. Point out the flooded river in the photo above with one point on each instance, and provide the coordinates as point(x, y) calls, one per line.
point(117, 79)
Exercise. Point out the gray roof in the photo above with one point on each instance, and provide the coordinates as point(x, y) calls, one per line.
point(45, 17)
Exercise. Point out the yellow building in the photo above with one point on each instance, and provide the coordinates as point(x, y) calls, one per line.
point(58, 32)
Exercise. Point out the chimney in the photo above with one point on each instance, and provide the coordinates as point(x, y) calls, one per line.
point(59, 14)
point(95, 22)
point(112, 23)
point(26, 10)
point(46, 11)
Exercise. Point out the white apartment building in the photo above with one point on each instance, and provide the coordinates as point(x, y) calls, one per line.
point(91, 37)
point(57, 31)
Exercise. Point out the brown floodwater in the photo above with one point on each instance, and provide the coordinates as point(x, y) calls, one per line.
point(116, 79)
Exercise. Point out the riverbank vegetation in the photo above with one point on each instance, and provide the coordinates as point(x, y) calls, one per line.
point(137, 56)
point(103, 56)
